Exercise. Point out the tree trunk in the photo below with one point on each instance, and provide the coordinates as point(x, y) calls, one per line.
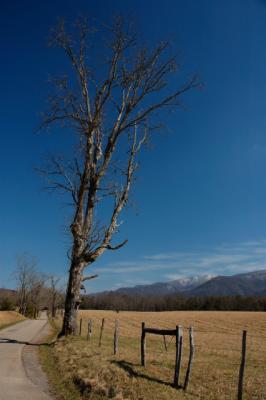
point(53, 305)
point(72, 300)
point(23, 303)
point(53, 311)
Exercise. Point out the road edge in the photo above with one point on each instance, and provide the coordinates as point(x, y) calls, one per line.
point(31, 360)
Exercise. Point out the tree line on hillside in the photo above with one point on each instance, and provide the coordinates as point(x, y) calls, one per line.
point(172, 302)
point(35, 291)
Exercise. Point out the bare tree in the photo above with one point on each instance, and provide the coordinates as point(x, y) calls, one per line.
point(36, 291)
point(112, 108)
point(24, 273)
point(55, 295)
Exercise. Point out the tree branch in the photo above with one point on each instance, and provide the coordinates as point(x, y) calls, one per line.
point(109, 247)
point(87, 278)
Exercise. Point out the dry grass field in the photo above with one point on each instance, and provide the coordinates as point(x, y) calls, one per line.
point(100, 375)
point(8, 318)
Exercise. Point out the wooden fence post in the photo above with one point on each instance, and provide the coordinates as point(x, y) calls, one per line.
point(165, 344)
point(242, 366)
point(143, 345)
point(89, 329)
point(101, 333)
point(179, 343)
point(191, 356)
point(80, 326)
point(116, 336)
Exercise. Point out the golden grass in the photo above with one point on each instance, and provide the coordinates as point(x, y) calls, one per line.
point(101, 375)
point(9, 317)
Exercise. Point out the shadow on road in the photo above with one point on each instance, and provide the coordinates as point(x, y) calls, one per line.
point(14, 341)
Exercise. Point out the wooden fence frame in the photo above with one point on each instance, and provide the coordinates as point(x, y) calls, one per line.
point(177, 333)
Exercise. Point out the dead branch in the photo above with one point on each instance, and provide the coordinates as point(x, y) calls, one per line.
point(87, 278)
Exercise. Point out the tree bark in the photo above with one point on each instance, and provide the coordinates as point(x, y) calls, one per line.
point(72, 300)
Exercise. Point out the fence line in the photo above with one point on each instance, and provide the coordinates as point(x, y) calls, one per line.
point(247, 344)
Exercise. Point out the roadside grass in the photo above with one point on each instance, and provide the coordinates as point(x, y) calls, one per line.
point(80, 369)
point(61, 390)
point(8, 318)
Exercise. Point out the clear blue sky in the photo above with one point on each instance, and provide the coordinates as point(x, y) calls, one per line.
point(201, 194)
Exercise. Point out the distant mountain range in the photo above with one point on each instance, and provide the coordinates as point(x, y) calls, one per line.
point(247, 284)
point(161, 288)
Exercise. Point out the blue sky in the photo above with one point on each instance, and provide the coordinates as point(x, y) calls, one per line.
point(200, 199)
